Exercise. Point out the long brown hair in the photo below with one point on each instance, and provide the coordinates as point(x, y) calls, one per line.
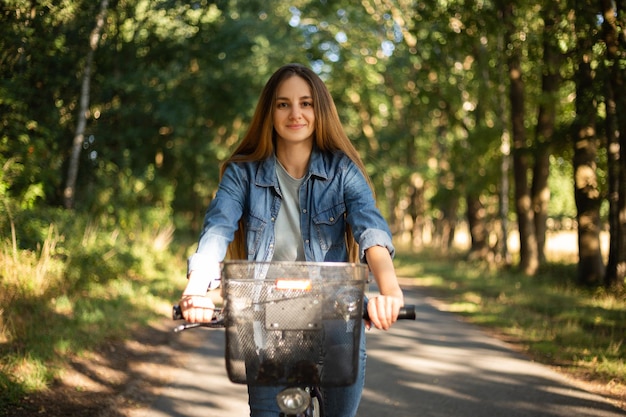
point(259, 143)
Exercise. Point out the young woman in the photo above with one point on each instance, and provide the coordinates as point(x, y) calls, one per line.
point(295, 190)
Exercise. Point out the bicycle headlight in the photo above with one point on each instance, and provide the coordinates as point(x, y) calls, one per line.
point(293, 400)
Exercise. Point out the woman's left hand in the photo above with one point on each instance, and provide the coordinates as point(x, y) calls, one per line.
point(383, 311)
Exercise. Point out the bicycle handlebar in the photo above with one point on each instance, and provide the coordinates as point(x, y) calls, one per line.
point(215, 323)
point(406, 313)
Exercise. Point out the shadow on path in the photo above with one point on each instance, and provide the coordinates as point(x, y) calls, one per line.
point(440, 366)
point(436, 366)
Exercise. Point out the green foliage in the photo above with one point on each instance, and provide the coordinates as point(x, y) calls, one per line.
point(36, 94)
point(82, 281)
point(174, 84)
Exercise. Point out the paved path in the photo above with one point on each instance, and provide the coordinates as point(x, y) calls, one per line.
point(437, 366)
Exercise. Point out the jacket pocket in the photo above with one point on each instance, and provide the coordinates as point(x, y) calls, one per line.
point(330, 227)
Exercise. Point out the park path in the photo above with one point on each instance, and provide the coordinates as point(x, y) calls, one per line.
point(437, 366)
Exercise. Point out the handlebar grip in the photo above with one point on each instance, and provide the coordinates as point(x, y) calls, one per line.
point(217, 322)
point(406, 313)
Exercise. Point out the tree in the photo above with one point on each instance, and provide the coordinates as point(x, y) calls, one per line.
point(529, 260)
point(545, 128)
point(79, 137)
point(586, 186)
point(615, 44)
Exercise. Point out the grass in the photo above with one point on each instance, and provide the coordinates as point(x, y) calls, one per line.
point(81, 287)
point(556, 322)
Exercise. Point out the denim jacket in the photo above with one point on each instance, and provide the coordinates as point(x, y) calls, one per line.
point(334, 193)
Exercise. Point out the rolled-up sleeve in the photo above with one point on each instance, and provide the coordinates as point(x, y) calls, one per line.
point(375, 237)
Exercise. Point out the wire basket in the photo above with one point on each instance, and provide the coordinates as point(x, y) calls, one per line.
point(293, 322)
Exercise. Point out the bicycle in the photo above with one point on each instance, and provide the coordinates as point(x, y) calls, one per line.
point(292, 324)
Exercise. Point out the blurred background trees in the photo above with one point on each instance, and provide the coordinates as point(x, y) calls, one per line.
point(507, 117)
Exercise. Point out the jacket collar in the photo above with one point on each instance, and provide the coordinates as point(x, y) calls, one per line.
point(266, 172)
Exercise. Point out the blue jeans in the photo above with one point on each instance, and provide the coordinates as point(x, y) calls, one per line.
point(339, 401)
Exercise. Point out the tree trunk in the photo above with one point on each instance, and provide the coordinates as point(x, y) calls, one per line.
point(619, 281)
point(69, 193)
point(505, 166)
point(616, 146)
point(476, 215)
point(391, 198)
point(416, 210)
point(545, 128)
point(529, 261)
point(445, 226)
point(541, 198)
point(586, 190)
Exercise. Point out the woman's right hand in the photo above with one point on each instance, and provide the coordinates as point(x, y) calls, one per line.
point(195, 305)
point(197, 308)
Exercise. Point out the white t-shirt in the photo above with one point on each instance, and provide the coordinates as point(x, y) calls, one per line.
point(288, 245)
